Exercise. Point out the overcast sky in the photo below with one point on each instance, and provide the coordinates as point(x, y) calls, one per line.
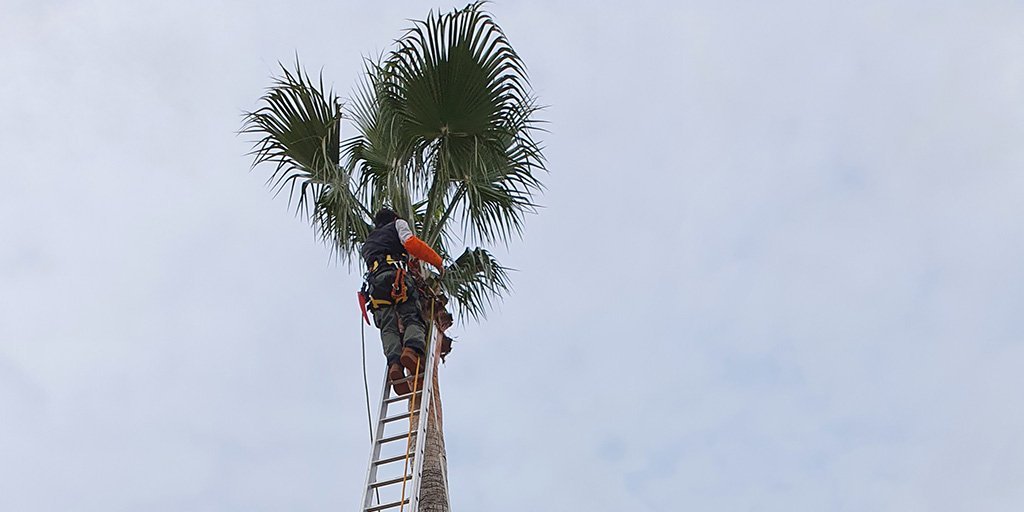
point(778, 267)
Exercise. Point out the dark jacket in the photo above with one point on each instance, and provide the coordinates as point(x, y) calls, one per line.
point(382, 242)
point(395, 239)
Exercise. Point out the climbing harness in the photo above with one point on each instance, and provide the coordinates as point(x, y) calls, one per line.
point(399, 288)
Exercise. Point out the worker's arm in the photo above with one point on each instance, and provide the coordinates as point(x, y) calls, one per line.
point(417, 247)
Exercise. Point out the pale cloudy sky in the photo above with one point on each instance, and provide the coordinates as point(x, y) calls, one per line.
point(778, 267)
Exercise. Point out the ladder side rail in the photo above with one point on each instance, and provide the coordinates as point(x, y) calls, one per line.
point(426, 398)
point(375, 447)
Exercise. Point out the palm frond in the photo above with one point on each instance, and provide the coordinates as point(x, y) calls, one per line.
point(474, 281)
point(340, 218)
point(444, 134)
point(498, 188)
point(300, 129)
point(461, 98)
point(379, 151)
point(299, 126)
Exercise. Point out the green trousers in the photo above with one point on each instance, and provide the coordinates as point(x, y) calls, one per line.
point(387, 318)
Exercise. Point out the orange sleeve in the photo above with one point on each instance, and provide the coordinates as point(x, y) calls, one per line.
point(421, 250)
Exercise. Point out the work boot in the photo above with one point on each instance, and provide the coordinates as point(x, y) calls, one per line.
point(396, 374)
point(412, 361)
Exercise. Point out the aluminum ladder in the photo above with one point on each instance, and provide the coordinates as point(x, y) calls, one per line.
point(393, 474)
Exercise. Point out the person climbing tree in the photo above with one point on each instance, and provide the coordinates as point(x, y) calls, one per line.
point(442, 130)
point(391, 293)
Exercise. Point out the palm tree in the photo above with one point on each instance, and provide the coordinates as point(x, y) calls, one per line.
point(444, 128)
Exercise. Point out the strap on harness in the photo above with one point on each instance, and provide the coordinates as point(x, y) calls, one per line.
point(387, 260)
point(399, 289)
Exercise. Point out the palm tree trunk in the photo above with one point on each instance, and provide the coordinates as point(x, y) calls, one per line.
point(434, 478)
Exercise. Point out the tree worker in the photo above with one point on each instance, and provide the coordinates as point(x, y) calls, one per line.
point(392, 295)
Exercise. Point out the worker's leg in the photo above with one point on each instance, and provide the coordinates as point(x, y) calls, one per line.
point(413, 323)
point(411, 357)
point(386, 319)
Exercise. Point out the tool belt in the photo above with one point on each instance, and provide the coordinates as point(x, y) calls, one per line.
point(398, 292)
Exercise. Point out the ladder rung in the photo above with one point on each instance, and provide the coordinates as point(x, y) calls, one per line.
point(397, 437)
point(397, 417)
point(408, 379)
point(396, 458)
point(386, 506)
point(399, 398)
point(402, 416)
point(408, 478)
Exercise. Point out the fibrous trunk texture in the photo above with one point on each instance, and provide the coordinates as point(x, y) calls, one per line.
point(434, 478)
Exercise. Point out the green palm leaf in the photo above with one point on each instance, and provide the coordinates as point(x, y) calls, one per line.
point(380, 152)
point(300, 132)
point(300, 128)
point(444, 128)
point(474, 281)
point(460, 95)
